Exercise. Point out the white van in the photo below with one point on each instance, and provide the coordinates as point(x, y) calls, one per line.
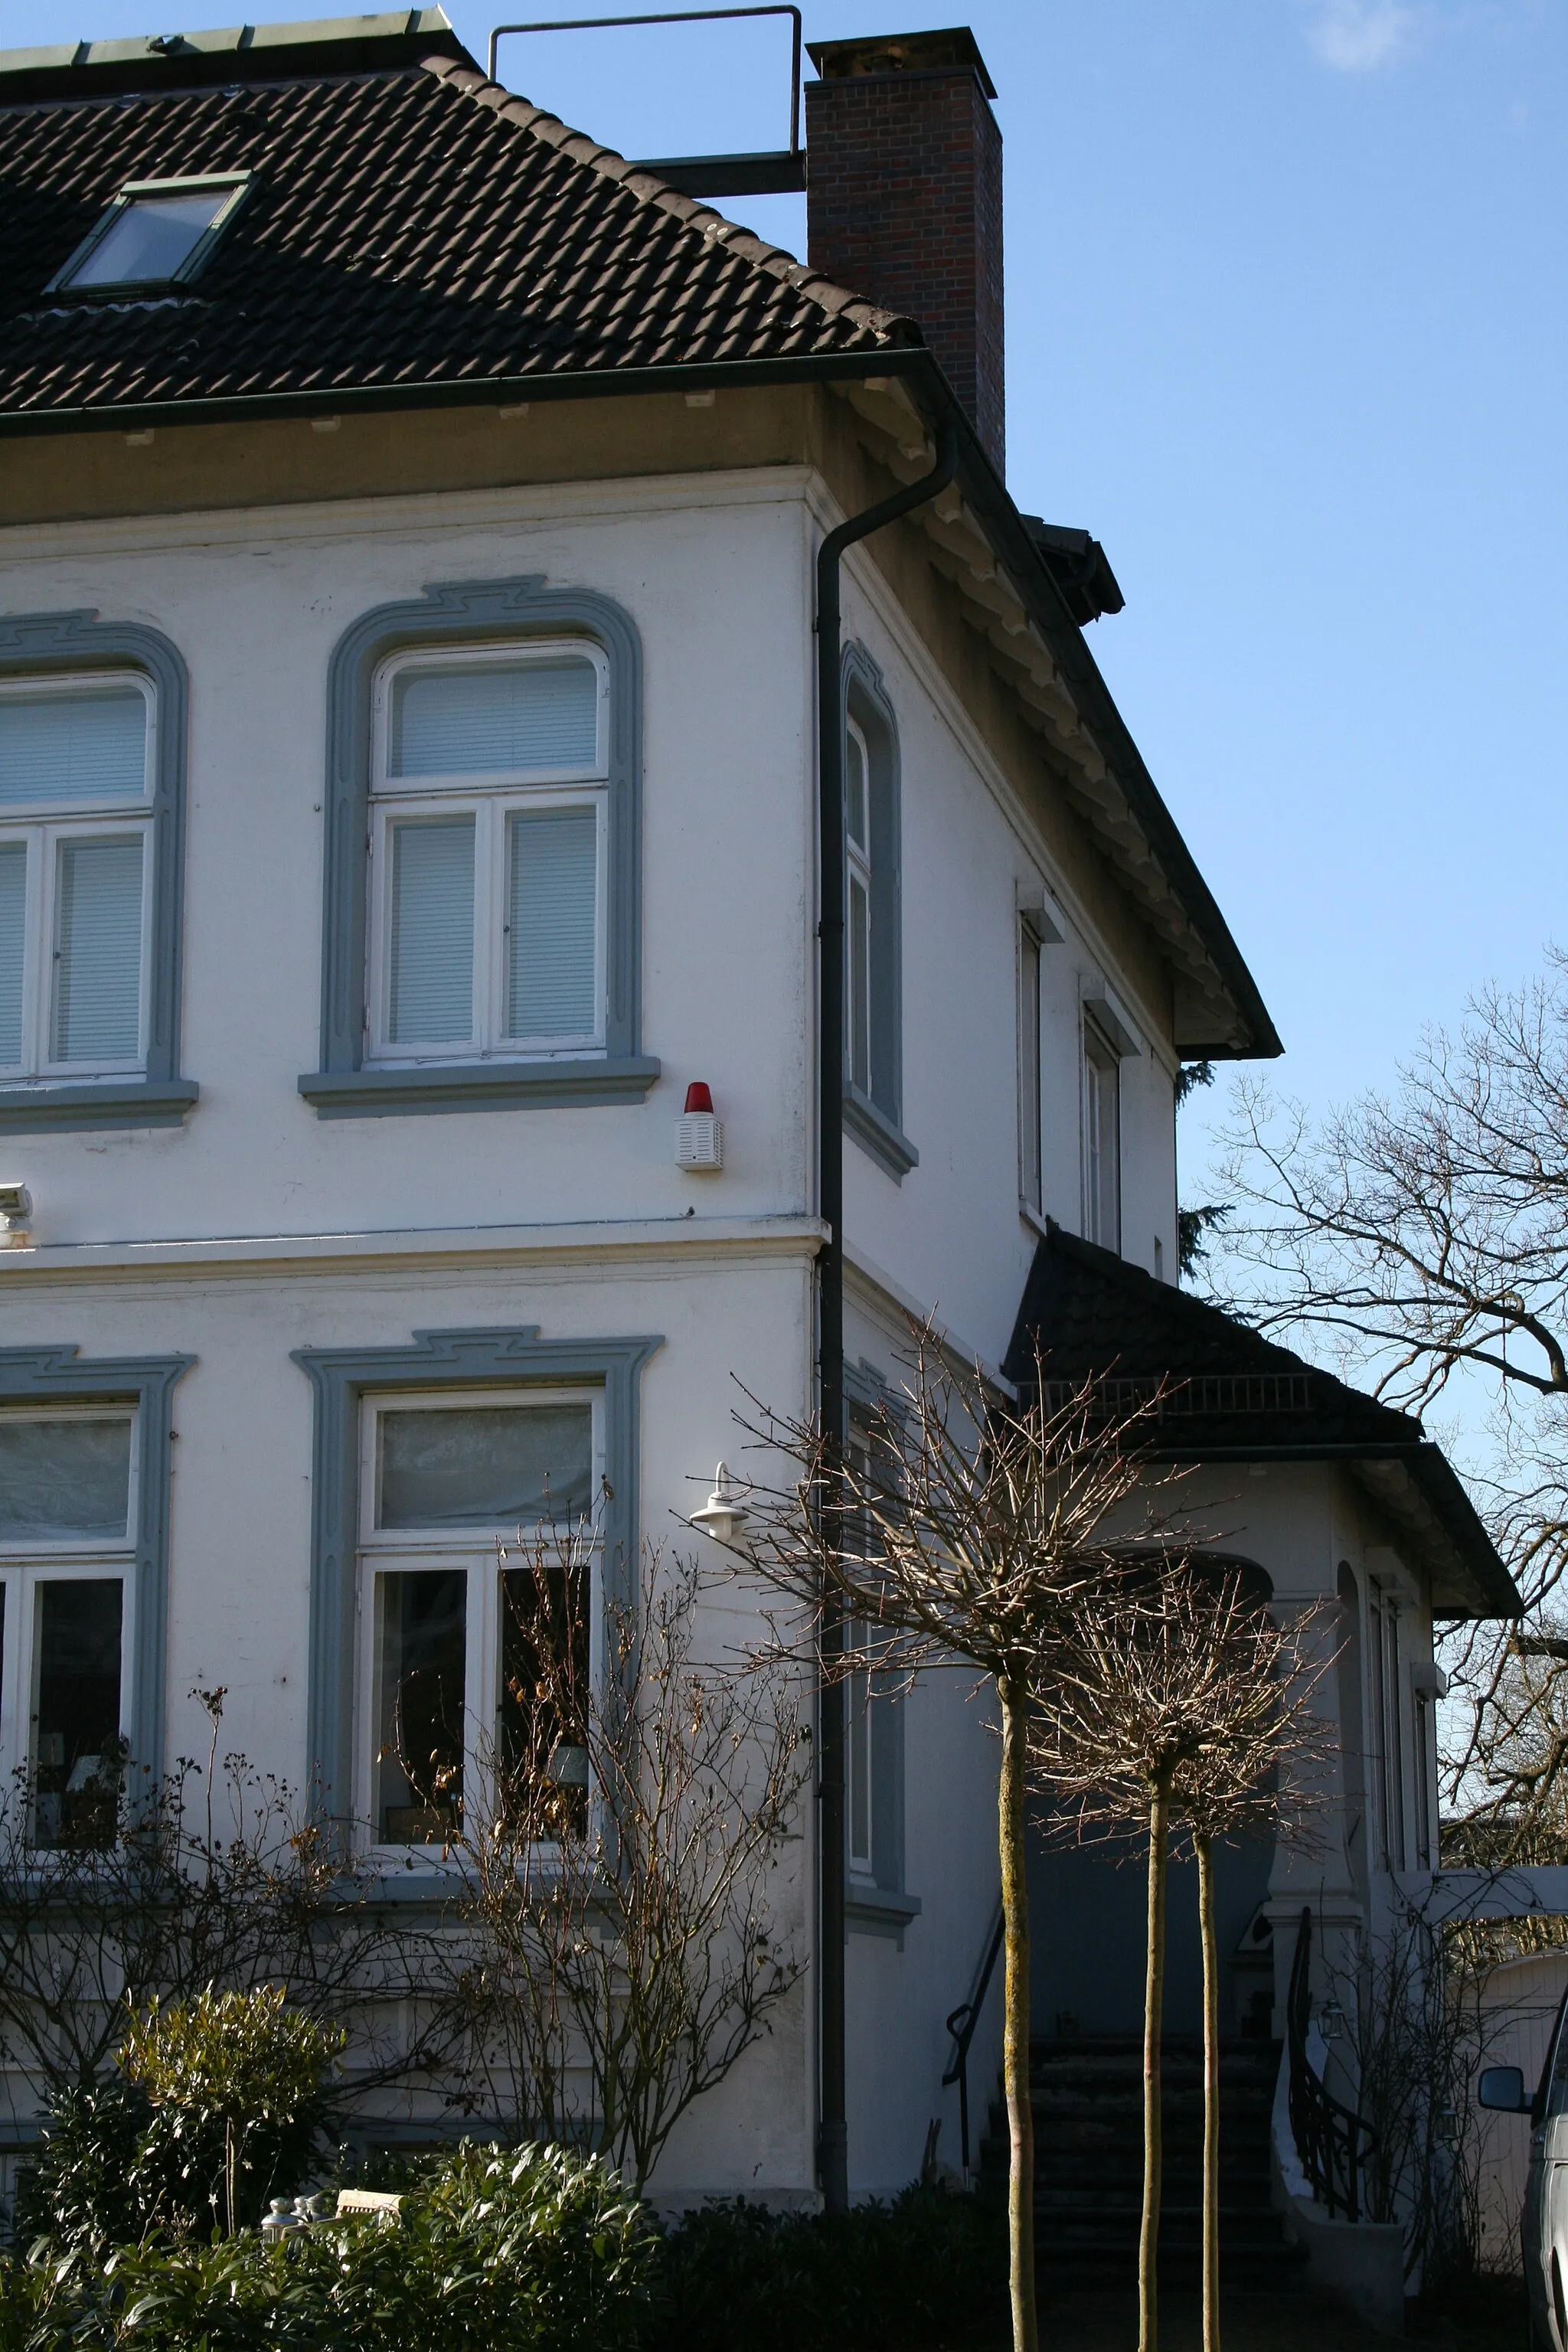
point(1544, 2227)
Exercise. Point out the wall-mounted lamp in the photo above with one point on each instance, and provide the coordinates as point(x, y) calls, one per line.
point(1332, 2021)
point(698, 1136)
point(723, 1514)
point(15, 1214)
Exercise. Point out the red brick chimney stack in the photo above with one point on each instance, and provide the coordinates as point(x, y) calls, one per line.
point(904, 198)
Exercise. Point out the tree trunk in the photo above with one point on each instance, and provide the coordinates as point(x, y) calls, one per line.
point(1211, 2094)
point(1015, 2030)
point(1153, 2019)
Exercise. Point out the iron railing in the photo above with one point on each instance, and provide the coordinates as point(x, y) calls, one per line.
point(961, 2026)
point(1332, 2142)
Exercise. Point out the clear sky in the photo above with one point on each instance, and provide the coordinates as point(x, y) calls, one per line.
point(1287, 329)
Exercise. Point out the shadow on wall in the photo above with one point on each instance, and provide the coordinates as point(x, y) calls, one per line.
point(1087, 1921)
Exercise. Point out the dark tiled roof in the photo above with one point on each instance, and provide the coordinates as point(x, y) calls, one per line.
point(405, 227)
point(1232, 1395)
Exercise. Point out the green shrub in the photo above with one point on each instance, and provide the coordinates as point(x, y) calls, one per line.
point(532, 2250)
point(926, 2267)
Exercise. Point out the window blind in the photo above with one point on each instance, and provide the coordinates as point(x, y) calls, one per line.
point(12, 945)
point(536, 717)
point(86, 746)
point(431, 993)
point(97, 951)
point(551, 910)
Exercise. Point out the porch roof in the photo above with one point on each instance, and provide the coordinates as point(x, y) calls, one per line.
point(1232, 1395)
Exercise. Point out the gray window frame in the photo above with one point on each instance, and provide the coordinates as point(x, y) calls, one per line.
point(116, 289)
point(874, 1118)
point(503, 1358)
point(61, 1375)
point(883, 1907)
point(48, 645)
point(457, 613)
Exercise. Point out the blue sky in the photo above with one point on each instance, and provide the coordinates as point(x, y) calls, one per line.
point(1286, 318)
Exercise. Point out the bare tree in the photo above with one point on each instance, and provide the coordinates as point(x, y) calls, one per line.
point(1424, 1235)
point(212, 1876)
point(958, 1531)
point(621, 1872)
point(1180, 1703)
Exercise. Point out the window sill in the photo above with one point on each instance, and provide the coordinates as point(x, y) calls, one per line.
point(82, 1104)
point(378, 1092)
point(876, 1134)
point(877, 1910)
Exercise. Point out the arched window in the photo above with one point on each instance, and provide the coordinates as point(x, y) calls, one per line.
point(873, 992)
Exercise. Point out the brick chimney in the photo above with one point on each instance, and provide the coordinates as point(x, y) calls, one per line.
point(904, 198)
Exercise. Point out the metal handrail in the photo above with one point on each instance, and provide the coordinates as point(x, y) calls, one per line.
point(960, 2024)
point(1332, 2142)
point(678, 16)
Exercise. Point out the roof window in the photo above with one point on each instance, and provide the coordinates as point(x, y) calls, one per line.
point(156, 233)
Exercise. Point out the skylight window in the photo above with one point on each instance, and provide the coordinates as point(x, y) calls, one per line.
point(156, 233)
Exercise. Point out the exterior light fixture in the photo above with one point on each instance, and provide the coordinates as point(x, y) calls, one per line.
point(1447, 2127)
point(1332, 2021)
point(723, 1514)
point(698, 1136)
point(15, 1215)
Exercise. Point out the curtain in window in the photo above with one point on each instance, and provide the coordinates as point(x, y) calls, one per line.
point(97, 949)
point(457, 720)
point(70, 1477)
point(432, 943)
point(485, 1467)
point(552, 895)
point(88, 746)
point(12, 945)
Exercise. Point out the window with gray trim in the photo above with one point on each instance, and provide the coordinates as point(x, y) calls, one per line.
point(440, 1626)
point(84, 1577)
point(92, 770)
point(873, 993)
point(482, 925)
point(874, 1710)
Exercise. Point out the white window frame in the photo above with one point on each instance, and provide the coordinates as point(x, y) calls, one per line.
point(27, 1563)
point(42, 827)
point(491, 798)
point(410, 1551)
point(1096, 1073)
point(1388, 1722)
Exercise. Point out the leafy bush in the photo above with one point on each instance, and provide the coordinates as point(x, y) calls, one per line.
point(234, 2081)
point(536, 2251)
point(216, 2108)
point(927, 2266)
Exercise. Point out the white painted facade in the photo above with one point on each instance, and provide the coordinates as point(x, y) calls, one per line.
point(257, 1228)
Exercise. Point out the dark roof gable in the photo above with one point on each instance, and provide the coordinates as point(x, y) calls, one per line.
point(1233, 1395)
point(409, 226)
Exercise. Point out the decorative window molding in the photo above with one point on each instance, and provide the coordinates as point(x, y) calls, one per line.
point(49, 645)
point(61, 1375)
point(875, 1900)
point(457, 615)
point(446, 1360)
point(873, 1112)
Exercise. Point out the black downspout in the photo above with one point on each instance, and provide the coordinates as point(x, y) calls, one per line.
point(832, 2153)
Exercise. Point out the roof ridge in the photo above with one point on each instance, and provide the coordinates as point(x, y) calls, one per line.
point(835, 300)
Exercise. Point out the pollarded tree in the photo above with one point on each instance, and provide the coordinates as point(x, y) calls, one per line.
point(958, 1530)
point(1182, 1704)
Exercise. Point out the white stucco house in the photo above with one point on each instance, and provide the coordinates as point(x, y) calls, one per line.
point(410, 515)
